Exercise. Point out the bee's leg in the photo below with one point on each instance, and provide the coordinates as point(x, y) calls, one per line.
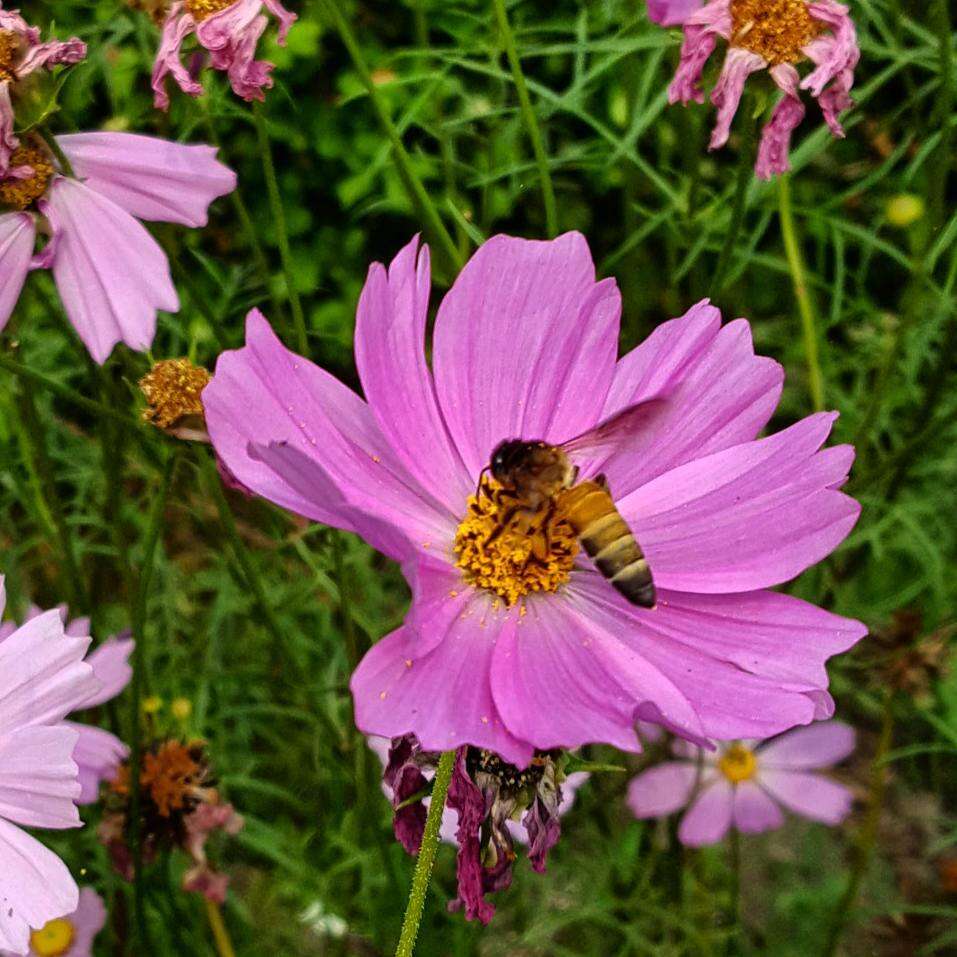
point(602, 482)
point(505, 522)
point(544, 548)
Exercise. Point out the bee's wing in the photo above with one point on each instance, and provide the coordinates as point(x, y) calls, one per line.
point(598, 443)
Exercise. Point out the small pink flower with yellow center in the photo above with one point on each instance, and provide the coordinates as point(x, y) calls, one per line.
point(746, 783)
point(775, 35)
point(22, 53)
point(111, 273)
point(229, 31)
point(72, 935)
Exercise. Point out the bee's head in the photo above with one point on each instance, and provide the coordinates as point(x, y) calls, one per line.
point(507, 457)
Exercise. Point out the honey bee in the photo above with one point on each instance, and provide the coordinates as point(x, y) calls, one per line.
point(539, 481)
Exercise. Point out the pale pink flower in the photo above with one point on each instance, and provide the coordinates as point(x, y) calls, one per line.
point(98, 753)
point(525, 346)
point(22, 53)
point(672, 13)
point(73, 934)
point(745, 784)
point(775, 35)
point(229, 30)
point(42, 678)
point(111, 273)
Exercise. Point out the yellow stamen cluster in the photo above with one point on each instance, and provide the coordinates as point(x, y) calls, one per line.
point(9, 50)
point(20, 193)
point(199, 10)
point(173, 388)
point(53, 939)
point(532, 553)
point(738, 764)
point(777, 30)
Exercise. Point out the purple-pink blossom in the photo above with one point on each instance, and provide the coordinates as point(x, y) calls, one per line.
point(672, 13)
point(745, 784)
point(43, 677)
point(112, 275)
point(23, 53)
point(229, 31)
point(71, 935)
point(98, 753)
point(776, 35)
point(525, 346)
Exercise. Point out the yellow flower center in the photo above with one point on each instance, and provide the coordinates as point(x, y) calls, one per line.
point(20, 193)
point(53, 939)
point(199, 10)
point(511, 552)
point(9, 50)
point(173, 388)
point(738, 764)
point(777, 30)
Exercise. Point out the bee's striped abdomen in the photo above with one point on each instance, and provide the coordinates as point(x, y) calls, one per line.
point(606, 537)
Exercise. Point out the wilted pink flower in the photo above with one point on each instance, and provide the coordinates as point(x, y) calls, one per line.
point(42, 678)
point(774, 35)
point(745, 784)
point(546, 654)
point(229, 30)
point(204, 821)
point(112, 275)
point(72, 935)
point(22, 53)
point(671, 13)
point(98, 753)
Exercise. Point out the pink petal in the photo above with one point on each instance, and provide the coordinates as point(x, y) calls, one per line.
point(316, 447)
point(98, 756)
point(785, 119)
point(176, 28)
point(662, 790)
point(702, 29)
point(151, 178)
point(88, 920)
point(671, 13)
point(9, 141)
point(390, 356)
point(749, 517)
point(444, 698)
point(717, 394)
point(49, 55)
point(761, 632)
point(42, 674)
point(111, 666)
point(38, 778)
point(835, 53)
point(754, 811)
point(35, 887)
point(817, 746)
point(709, 817)
point(739, 64)
point(810, 795)
point(17, 234)
point(112, 275)
point(525, 345)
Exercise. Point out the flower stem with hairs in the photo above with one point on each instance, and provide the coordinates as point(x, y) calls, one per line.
point(410, 178)
point(792, 248)
point(426, 859)
point(529, 118)
point(279, 221)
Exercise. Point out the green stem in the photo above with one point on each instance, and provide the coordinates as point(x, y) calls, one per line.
point(734, 910)
point(138, 598)
point(33, 437)
point(943, 156)
point(792, 248)
point(868, 833)
point(529, 118)
point(410, 178)
point(426, 859)
point(65, 165)
point(279, 220)
point(224, 946)
point(745, 175)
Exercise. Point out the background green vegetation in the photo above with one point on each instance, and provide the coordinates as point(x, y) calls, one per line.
point(261, 637)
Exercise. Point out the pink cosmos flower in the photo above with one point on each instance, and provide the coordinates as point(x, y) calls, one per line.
point(98, 754)
point(112, 275)
point(773, 35)
point(229, 30)
point(671, 13)
point(513, 655)
point(72, 935)
point(42, 678)
point(746, 783)
point(22, 53)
